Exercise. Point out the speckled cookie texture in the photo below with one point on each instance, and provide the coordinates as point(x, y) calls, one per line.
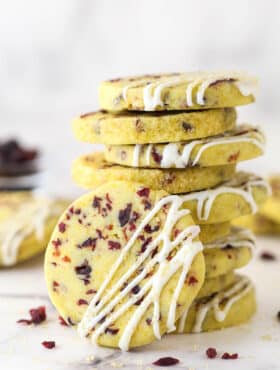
point(242, 195)
point(155, 127)
point(178, 91)
point(26, 222)
point(123, 263)
point(230, 307)
point(216, 284)
point(92, 170)
point(240, 144)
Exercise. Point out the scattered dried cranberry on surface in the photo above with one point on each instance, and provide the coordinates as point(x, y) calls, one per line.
point(124, 214)
point(38, 315)
point(211, 352)
point(114, 245)
point(227, 356)
point(166, 361)
point(62, 227)
point(278, 315)
point(267, 256)
point(48, 344)
point(144, 192)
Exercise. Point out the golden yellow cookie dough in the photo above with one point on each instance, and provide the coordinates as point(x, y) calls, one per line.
point(144, 128)
point(259, 224)
point(216, 284)
point(26, 223)
point(242, 143)
point(211, 232)
point(92, 170)
point(177, 91)
point(242, 195)
point(237, 304)
point(95, 237)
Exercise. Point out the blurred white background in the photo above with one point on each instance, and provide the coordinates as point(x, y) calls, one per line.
point(53, 54)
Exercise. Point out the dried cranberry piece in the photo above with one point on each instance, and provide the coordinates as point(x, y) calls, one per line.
point(211, 352)
point(267, 256)
point(62, 227)
point(144, 192)
point(38, 315)
point(156, 156)
point(187, 126)
point(56, 243)
point(135, 289)
point(114, 245)
point(88, 243)
point(91, 291)
point(149, 229)
point(166, 361)
point(112, 331)
point(227, 356)
point(192, 280)
point(81, 302)
point(149, 321)
point(96, 202)
point(145, 244)
point(48, 344)
point(84, 268)
point(124, 214)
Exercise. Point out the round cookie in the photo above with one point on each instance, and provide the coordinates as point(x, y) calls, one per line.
point(26, 222)
point(144, 128)
point(216, 284)
point(178, 91)
point(210, 232)
point(92, 170)
point(271, 208)
point(230, 307)
point(240, 144)
point(242, 195)
point(123, 263)
point(258, 223)
point(229, 253)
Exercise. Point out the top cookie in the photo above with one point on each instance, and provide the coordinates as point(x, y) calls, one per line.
point(178, 91)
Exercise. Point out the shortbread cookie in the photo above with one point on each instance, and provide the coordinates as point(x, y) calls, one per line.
point(230, 307)
point(229, 253)
point(242, 195)
point(210, 232)
point(92, 170)
point(240, 144)
point(144, 128)
point(216, 284)
point(26, 222)
point(178, 91)
point(123, 263)
point(259, 224)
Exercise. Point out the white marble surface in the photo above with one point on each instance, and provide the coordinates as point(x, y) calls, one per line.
point(23, 287)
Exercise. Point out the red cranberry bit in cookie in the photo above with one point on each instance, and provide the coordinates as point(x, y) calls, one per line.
point(88, 243)
point(38, 315)
point(144, 192)
point(91, 291)
point(192, 280)
point(114, 245)
point(66, 259)
point(62, 227)
point(267, 256)
point(187, 126)
point(49, 344)
point(211, 352)
point(124, 214)
point(56, 243)
point(81, 302)
point(227, 356)
point(156, 156)
point(166, 361)
point(111, 331)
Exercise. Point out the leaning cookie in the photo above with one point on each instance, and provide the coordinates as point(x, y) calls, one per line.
point(216, 284)
point(241, 195)
point(211, 232)
point(92, 170)
point(178, 91)
point(240, 144)
point(27, 220)
point(230, 307)
point(123, 263)
point(142, 128)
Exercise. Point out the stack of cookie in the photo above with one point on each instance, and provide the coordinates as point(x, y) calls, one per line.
point(164, 134)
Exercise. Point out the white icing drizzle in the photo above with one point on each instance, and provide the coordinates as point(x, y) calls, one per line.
point(206, 198)
point(234, 294)
point(152, 92)
point(238, 237)
point(29, 217)
point(106, 299)
point(136, 154)
point(172, 157)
